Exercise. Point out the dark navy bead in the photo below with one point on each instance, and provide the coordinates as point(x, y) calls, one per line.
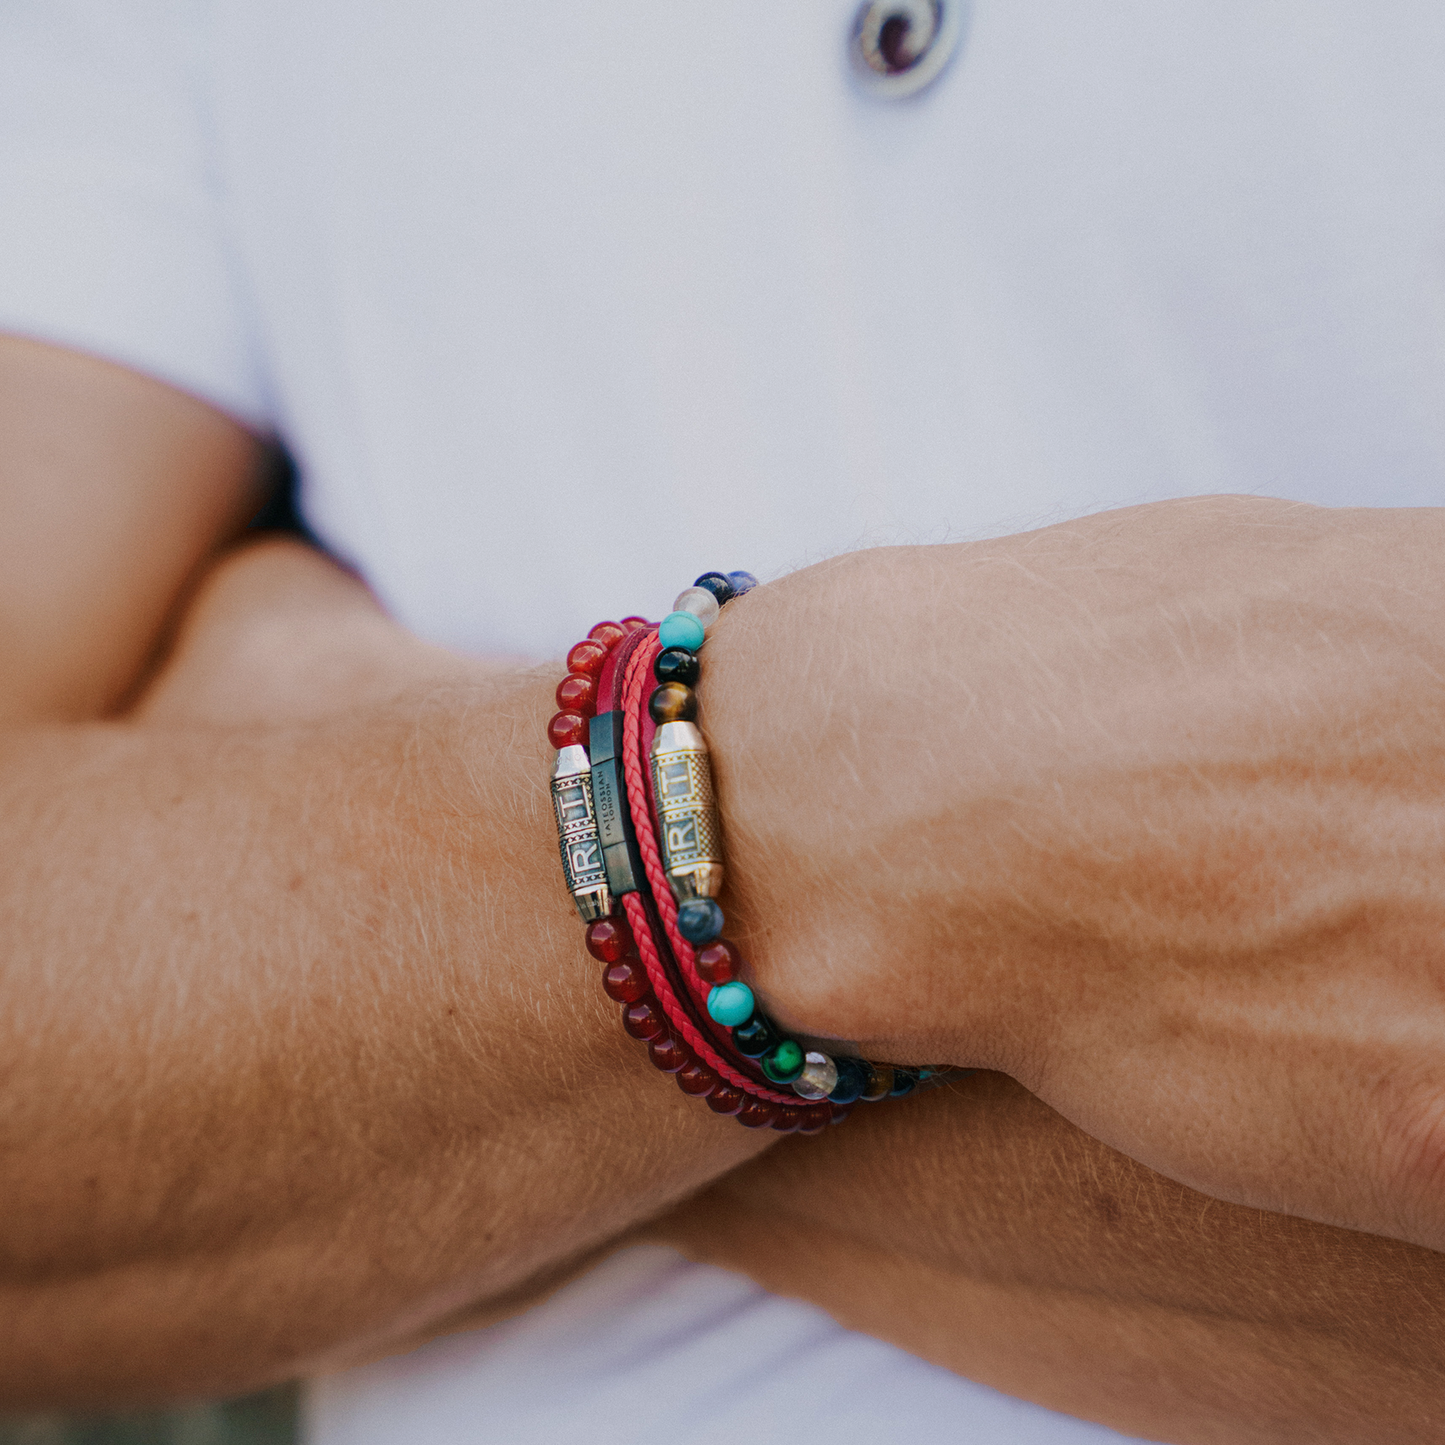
point(672, 702)
point(699, 920)
point(754, 1038)
point(676, 664)
point(905, 1081)
point(742, 582)
point(852, 1080)
point(718, 583)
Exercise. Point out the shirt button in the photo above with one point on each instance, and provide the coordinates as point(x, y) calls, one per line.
point(899, 46)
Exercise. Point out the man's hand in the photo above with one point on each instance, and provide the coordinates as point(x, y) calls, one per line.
point(1146, 810)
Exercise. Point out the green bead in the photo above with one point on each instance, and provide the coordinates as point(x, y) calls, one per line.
point(783, 1063)
point(681, 629)
point(731, 1004)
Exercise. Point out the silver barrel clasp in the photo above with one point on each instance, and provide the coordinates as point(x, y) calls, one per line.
point(577, 835)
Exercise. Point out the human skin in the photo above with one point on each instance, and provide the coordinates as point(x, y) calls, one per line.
point(306, 883)
point(300, 1049)
point(971, 1225)
point(976, 1228)
point(1146, 811)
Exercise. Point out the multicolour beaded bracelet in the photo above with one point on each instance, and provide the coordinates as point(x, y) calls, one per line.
point(649, 837)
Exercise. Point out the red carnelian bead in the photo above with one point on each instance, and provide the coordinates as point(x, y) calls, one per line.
point(609, 634)
point(756, 1113)
point(609, 939)
point(567, 730)
point(635, 624)
point(719, 963)
point(578, 693)
point(587, 658)
point(840, 1112)
point(725, 1100)
point(788, 1119)
point(697, 1079)
point(816, 1119)
point(625, 982)
point(669, 1055)
point(644, 1020)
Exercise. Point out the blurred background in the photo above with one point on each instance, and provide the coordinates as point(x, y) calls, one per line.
point(266, 1419)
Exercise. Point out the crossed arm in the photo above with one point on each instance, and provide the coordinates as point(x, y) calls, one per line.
point(301, 1059)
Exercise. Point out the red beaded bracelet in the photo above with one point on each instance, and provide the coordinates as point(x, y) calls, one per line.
point(681, 1000)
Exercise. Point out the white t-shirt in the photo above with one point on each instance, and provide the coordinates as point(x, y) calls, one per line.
point(560, 306)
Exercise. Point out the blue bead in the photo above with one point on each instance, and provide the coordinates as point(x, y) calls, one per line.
point(905, 1081)
point(699, 920)
point(742, 582)
point(731, 1004)
point(852, 1080)
point(681, 629)
point(717, 583)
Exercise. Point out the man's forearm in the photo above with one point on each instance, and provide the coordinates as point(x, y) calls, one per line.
point(975, 1227)
point(302, 1050)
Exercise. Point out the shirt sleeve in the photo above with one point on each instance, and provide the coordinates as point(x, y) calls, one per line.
point(112, 215)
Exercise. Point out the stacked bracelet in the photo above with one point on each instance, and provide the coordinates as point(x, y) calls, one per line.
point(642, 856)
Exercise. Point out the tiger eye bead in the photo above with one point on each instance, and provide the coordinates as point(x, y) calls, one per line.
point(756, 1113)
point(754, 1038)
point(567, 730)
point(587, 657)
point(672, 702)
point(625, 982)
point(644, 1020)
point(609, 939)
point(609, 634)
point(677, 664)
point(880, 1083)
point(719, 963)
point(668, 1055)
point(725, 1100)
point(788, 1119)
point(696, 1079)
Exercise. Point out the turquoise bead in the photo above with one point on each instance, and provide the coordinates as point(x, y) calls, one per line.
point(681, 629)
point(731, 1004)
